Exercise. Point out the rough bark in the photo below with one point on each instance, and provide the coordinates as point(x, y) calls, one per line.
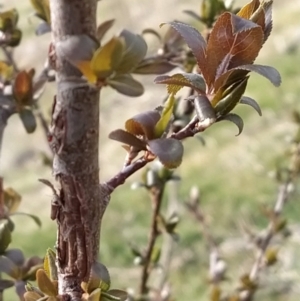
point(75, 138)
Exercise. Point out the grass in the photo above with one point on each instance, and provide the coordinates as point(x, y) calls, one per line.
point(234, 175)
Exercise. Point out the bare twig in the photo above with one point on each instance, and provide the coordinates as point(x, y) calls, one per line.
point(217, 266)
point(156, 193)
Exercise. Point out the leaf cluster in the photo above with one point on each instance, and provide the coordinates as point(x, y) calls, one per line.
point(10, 34)
point(12, 261)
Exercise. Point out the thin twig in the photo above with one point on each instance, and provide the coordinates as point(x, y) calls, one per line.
point(156, 194)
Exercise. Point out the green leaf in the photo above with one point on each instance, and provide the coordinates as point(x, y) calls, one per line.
point(95, 295)
point(42, 28)
point(8, 19)
point(126, 84)
point(78, 50)
point(252, 103)
point(194, 40)
point(229, 98)
point(28, 120)
point(35, 218)
point(12, 200)
point(127, 138)
point(5, 235)
point(193, 15)
point(168, 150)
point(15, 38)
point(8, 267)
point(143, 124)
point(45, 284)
point(165, 117)
point(4, 284)
point(32, 296)
point(180, 80)
point(120, 294)
point(154, 66)
point(99, 278)
point(268, 72)
point(135, 51)
point(236, 119)
point(50, 264)
point(106, 59)
point(42, 8)
point(204, 110)
point(16, 256)
point(103, 28)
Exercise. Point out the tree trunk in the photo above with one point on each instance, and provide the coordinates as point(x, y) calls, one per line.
point(75, 138)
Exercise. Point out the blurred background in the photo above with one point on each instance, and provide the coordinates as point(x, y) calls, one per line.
point(234, 174)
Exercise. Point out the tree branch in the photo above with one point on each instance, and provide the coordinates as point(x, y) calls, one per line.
point(156, 193)
point(75, 139)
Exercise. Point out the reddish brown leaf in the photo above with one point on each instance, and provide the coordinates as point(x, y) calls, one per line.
point(127, 138)
point(22, 88)
point(233, 41)
point(169, 151)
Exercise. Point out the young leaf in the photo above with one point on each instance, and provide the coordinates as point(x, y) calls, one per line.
point(120, 294)
point(9, 268)
point(16, 256)
point(35, 218)
point(32, 296)
point(194, 40)
point(8, 20)
point(236, 119)
point(143, 124)
point(268, 72)
point(103, 28)
point(42, 9)
point(6, 72)
point(50, 264)
point(42, 28)
point(179, 80)
point(135, 51)
point(126, 84)
point(252, 103)
point(99, 278)
point(204, 110)
point(165, 117)
point(5, 236)
point(12, 200)
point(107, 58)
point(127, 138)
point(154, 66)
point(230, 98)
point(95, 295)
point(45, 284)
point(22, 88)
point(4, 284)
point(168, 150)
point(77, 49)
point(232, 38)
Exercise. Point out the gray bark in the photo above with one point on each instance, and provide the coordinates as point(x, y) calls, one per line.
point(75, 138)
